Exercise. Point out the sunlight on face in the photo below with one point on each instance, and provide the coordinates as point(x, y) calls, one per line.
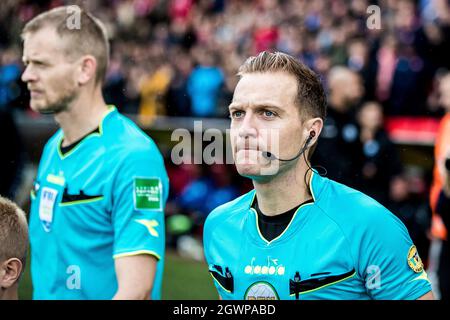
point(49, 74)
point(264, 117)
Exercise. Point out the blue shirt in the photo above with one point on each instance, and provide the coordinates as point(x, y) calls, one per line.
point(344, 245)
point(102, 200)
point(204, 86)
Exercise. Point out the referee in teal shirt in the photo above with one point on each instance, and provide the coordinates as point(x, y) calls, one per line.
point(97, 212)
point(298, 235)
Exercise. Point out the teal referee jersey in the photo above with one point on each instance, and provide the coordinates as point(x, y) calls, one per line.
point(102, 200)
point(343, 245)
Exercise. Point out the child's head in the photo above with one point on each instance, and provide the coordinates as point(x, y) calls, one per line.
point(13, 245)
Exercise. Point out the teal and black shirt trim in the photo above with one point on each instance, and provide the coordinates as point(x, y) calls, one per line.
point(341, 245)
point(97, 200)
point(273, 226)
point(67, 149)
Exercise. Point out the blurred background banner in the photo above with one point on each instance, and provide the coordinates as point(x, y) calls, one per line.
point(175, 62)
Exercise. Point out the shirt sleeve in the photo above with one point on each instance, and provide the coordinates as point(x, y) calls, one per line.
point(218, 275)
point(389, 261)
point(139, 198)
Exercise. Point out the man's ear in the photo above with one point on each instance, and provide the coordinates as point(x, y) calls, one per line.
point(310, 125)
point(10, 271)
point(87, 69)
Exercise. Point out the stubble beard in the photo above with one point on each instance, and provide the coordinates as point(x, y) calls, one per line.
point(61, 105)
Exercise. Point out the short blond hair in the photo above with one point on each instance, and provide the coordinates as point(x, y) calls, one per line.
point(90, 38)
point(311, 98)
point(13, 232)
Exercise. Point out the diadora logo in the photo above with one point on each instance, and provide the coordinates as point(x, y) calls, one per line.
point(271, 268)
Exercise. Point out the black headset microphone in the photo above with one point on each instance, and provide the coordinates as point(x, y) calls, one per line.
point(270, 156)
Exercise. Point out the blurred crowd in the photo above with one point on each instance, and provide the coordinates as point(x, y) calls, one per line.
point(180, 58)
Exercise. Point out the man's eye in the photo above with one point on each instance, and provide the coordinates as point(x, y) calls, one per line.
point(38, 64)
point(237, 114)
point(268, 113)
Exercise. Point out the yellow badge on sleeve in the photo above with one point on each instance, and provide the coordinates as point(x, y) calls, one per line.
point(414, 260)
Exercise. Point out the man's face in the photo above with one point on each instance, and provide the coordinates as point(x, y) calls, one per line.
point(264, 117)
point(444, 90)
point(49, 74)
point(353, 89)
point(371, 116)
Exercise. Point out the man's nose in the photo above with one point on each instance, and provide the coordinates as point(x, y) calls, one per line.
point(28, 75)
point(248, 127)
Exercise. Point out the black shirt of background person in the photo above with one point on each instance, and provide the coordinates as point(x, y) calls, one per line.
point(443, 208)
point(178, 102)
point(339, 148)
point(380, 163)
point(11, 159)
point(410, 84)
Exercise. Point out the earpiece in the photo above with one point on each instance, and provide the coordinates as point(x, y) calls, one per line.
point(312, 134)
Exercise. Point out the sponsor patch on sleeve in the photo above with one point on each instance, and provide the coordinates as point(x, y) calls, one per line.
point(414, 261)
point(147, 194)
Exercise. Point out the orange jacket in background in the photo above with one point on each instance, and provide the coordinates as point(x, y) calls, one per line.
point(442, 144)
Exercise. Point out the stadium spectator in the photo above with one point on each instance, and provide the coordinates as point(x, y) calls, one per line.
point(210, 186)
point(443, 209)
point(9, 78)
point(441, 146)
point(443, 204)
point(442, 150)
point(11, 99)
point(153, 91)
point(12, 159)
point(340, 135)
point(322, 33)
point(13, 248)
point(411, 207)
point(192, 198)
point(380, 159)
point(178, 102)
point(204, 84)
point(223, 189)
